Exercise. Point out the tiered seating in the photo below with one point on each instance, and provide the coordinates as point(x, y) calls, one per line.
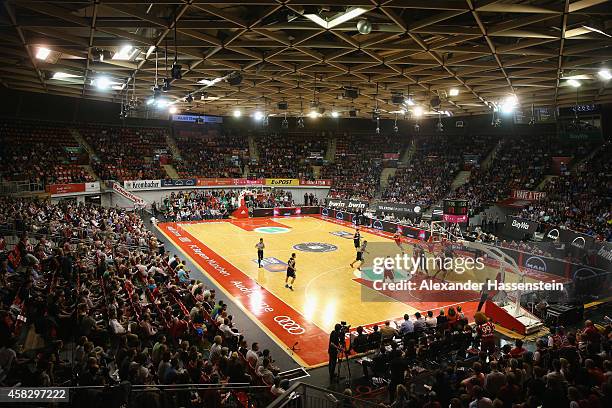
point(126, 153)
point(286, 155)
point(519, 164)
point(40, 152)
point(98, 279)
point(358, 163)
point(210, 153)
point(580, 200)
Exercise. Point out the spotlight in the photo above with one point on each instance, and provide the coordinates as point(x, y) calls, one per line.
point(175, 71)
point(313, 114)
point(285, 123)
point(237, 113)
point(439, 127)
point(605, 74)
point(258, 115)
point(335, 114)
point(300, 122)
point(573, 83)
point(509, 104)
point(395, 128)
point(453, 92)
point(364, 26)
point(162, 103)
point(417, 127)
point(102, 83)
point(150, 101)
point(43, 53)
point(173, 110)
point(409, 101)
point(418, 111)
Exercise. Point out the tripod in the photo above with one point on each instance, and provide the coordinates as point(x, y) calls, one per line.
point(343, 357)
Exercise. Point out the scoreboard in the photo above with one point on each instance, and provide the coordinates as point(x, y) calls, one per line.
point(455, 211)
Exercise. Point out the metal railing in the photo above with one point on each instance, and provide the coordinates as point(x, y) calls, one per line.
point(306, 395)
point(25, 186)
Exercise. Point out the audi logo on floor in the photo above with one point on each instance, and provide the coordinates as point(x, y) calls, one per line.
point(289, 325)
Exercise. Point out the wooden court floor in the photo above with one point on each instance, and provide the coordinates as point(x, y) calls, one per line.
point(326, 291)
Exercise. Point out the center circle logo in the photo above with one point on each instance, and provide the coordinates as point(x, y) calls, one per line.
point(272, 230)
point(315, 247)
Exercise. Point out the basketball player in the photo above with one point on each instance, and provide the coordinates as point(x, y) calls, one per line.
point(389, 272)
point(260, 247)
point(357, 238)
point(397, 237)
point(359, 256)
point(290, 272)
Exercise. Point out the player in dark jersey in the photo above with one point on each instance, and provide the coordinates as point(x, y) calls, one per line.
point(357, 238)
point(290, 272)
point(260, 248)
point(359, 255)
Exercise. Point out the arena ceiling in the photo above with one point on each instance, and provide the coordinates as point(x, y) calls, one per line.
point(301, 50)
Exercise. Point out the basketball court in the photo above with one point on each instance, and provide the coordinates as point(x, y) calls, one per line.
point(327, 290)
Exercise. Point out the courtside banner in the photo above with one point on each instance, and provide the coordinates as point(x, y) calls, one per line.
point(571, 238)
point(281, 320)
point(60, 189)
point(348, 205)
point(66, 188)
point(280, 182)
point(398, 209)
point(178, 183)
point(316, 183)
point(517, 227)
point(134, 185)
point(212, 182)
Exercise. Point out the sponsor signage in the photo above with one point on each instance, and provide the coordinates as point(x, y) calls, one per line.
point(341, 204)
point(280, 182)
point(139, 202)
point(398, 209)
point(456, 219)
point(519, 227)
point(571, 239)
point(316, 183)
point(60, 189)
point(132, 185)
point(387, 226)
point(391, 156)
point(604, 256)
point(212, 182)
point(197, 118)
point(528, 195)
point(178, 182)
point(285, 211)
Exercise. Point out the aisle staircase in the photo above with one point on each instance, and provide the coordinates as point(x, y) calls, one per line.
point(174, 149)
point(460, 179)
point(384, 177)
point(83, 143)
point(253, 153)
point(90, 171)
point(544, 181)
point(486, 163)
point(316, 172)
point(330, 152)
point(171, 171)
point(408, 153)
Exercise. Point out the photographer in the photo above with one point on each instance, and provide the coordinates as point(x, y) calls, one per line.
point(335, 341)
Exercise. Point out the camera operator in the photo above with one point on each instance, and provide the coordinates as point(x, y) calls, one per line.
point(334, 348)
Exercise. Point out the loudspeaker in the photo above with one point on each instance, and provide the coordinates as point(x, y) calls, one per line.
point(397, 99)
point(434, 102)
point(175, 71)
point(235, 79)
point(283, 105)
point(352, 113)
point(352, 93)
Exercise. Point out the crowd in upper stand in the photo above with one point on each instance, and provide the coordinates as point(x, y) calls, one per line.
point(284, 155)
point(358, 164)
point(50, 153)
point(97, 278)
point(40, 153)
point(579, 199)
point(126, 153)
point(208, 153)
